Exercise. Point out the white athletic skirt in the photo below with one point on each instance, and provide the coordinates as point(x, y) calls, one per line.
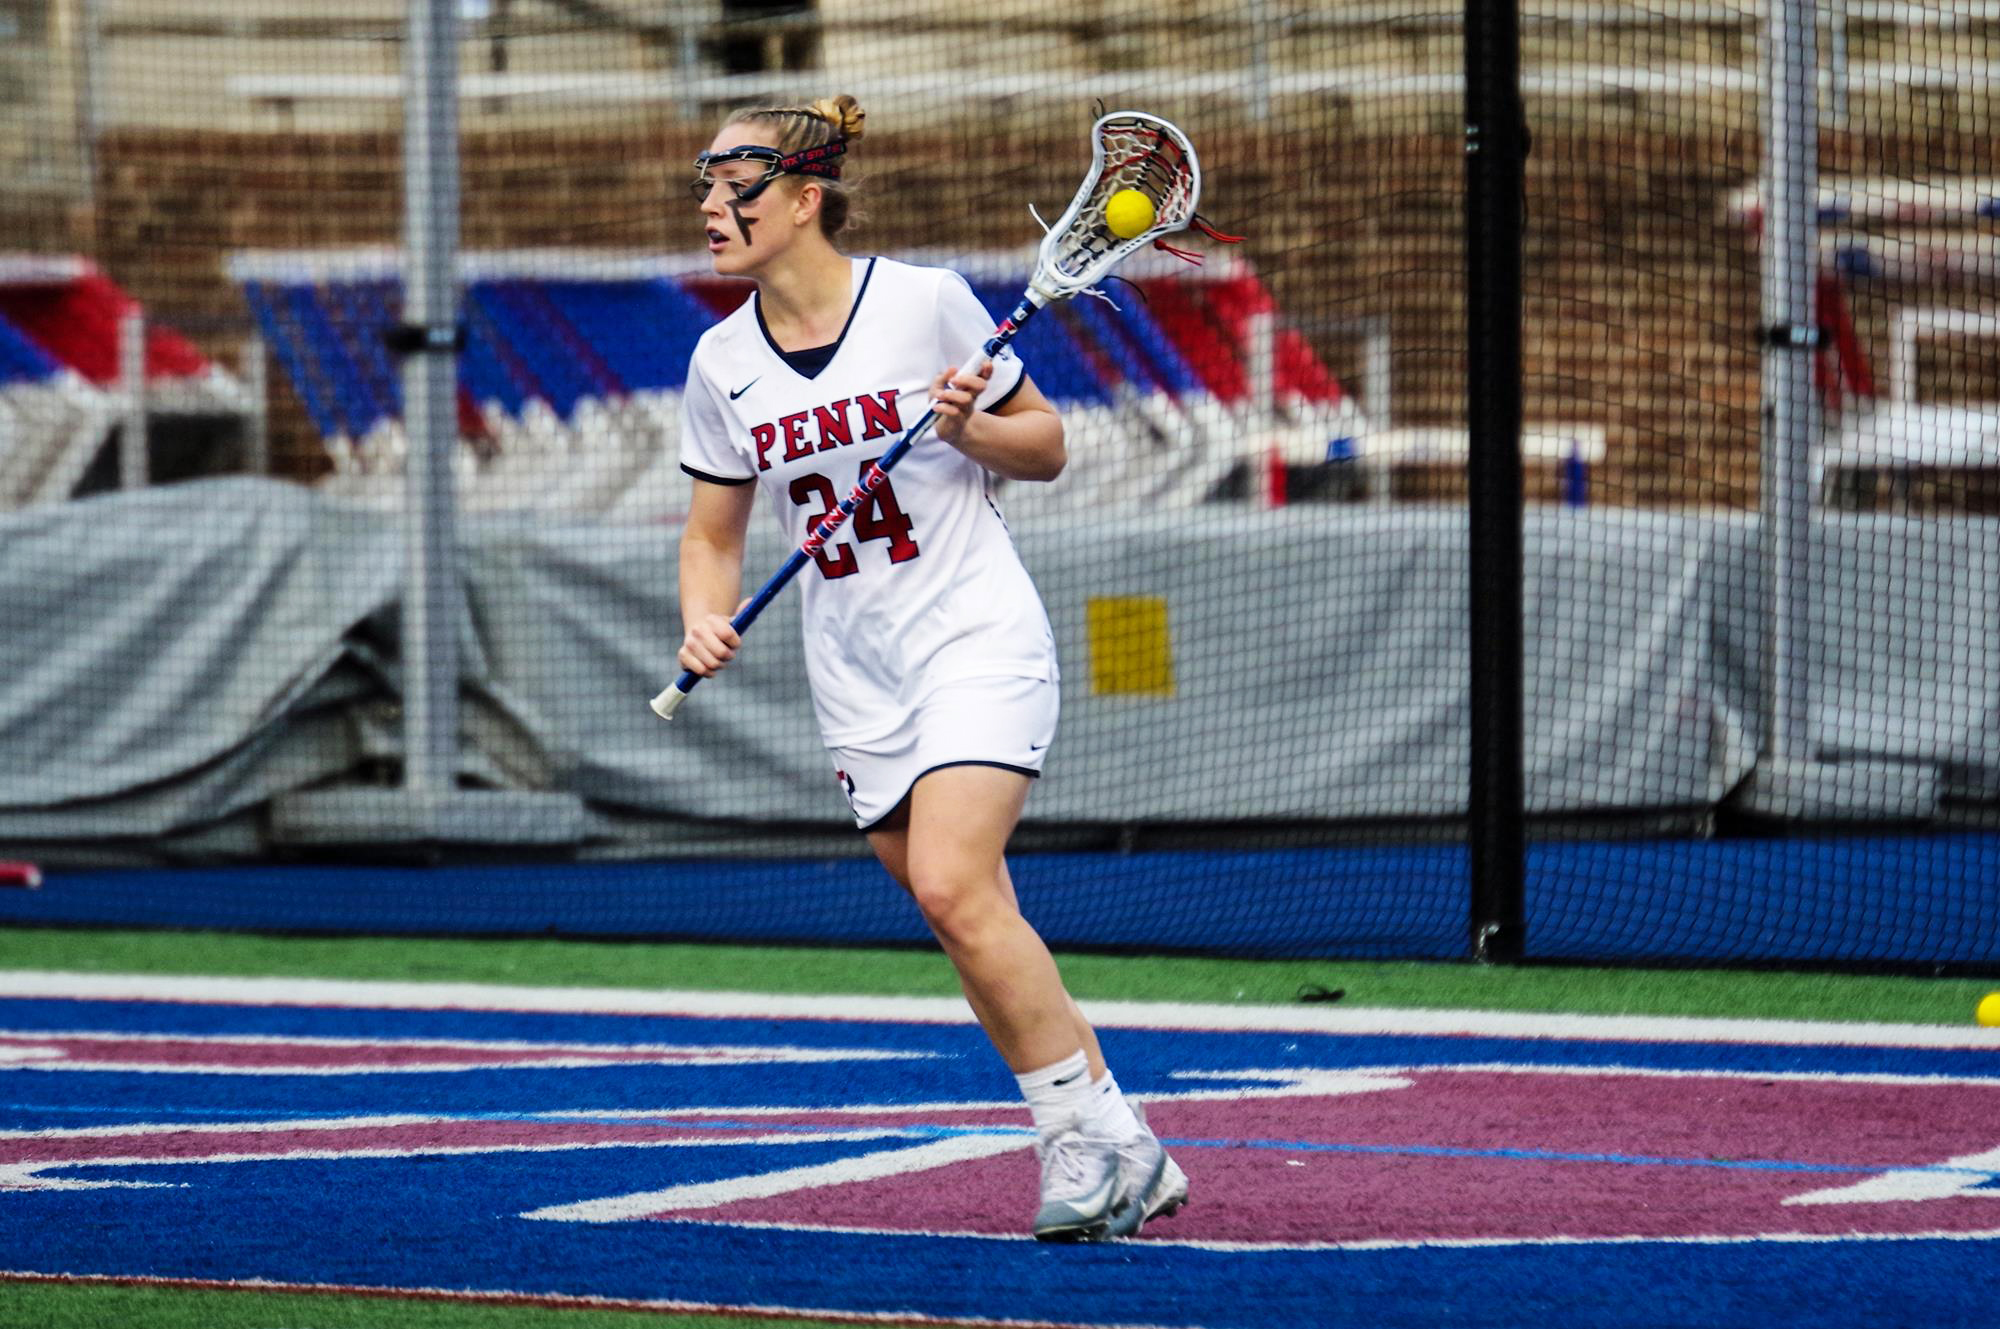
point(1004, 722)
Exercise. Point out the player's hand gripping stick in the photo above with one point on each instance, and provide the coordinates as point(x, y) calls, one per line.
point(1143, 185)
point(670, 700)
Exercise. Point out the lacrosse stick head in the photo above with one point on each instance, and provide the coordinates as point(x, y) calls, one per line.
point(1129, 150)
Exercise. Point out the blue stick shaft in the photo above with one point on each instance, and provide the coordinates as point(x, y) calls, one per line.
point(870, 482)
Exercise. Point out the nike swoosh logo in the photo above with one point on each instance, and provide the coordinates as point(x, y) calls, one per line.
point(1067, 1079)
point(1037, 747)
point(746, 387)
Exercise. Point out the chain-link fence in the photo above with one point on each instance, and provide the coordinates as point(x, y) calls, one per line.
point(1759, 567)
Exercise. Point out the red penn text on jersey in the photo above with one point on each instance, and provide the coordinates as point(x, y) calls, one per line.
point(825, 428)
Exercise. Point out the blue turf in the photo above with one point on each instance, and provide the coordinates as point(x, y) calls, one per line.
point(954, 1064)
point(1887, 899)
point(452, 1221)
point(352, 1223)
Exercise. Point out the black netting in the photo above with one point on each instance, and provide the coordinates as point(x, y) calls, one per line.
point(1760, 619)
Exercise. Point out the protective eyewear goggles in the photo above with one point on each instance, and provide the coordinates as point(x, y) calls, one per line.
point(822, 162)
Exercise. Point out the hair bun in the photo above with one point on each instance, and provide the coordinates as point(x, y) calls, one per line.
point(843, 113)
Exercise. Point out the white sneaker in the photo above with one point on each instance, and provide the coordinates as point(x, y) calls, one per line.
point(1080, 1186)
point(1150, 1184)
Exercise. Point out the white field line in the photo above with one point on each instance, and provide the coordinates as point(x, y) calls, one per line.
point(32, 1056)
point(764, 1185)
point(1608, 1070)
point(560, 1300)
point(1394, 1244)
point(28, 1176)
point(1967, 1175)
point(1234, 1086)
point(481, 1045)
point(1292, 1082)
point(978, 1143)
point(408, 1068)
point(1270, 1084)
point(377, 1122)
point(952, 1010)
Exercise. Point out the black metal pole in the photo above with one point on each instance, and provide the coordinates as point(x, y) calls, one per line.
point(1496, 150)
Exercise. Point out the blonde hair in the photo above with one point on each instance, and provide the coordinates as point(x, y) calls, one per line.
point(798, 127)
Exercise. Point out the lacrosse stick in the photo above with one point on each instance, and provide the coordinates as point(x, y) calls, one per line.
point(1130, 151)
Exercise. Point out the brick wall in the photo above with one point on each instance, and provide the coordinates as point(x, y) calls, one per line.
point(1641, 301)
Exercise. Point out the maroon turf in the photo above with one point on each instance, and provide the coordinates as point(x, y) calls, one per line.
point(1384, 1166)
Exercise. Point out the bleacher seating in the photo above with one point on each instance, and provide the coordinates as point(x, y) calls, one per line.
point(569, 387)
point(51, 422)
point(63, 385)
point(1909, 235)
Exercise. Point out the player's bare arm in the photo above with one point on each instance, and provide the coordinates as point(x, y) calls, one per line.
point(712, 574)
point(1023, 440)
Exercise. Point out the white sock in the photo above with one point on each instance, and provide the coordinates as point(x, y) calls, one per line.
point(1059, 1096)
point(1109, 1114)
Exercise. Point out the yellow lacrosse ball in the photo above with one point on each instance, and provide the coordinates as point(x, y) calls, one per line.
point(1128, 213)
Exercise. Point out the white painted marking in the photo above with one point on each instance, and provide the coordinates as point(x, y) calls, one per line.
point(1153, 1237)
point(24, 1177)
point(28, 1176)
point(20, 1052)
point(1014, 1105)
point(952, 1011)
point(1661, 1073)
point(1295, 1083)
point(983, 1138)
point(1268, 1084)
point(1291, 1083)
point(1953, 1177)
point(220, 1128)
point(404, 1068)
point(555, 1056)
point(990, 1141)
point(757, 1051)
point(764, 1185)
point(511, 1297)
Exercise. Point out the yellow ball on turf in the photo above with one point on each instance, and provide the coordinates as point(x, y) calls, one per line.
point(1989, 1009)
point(1128, 213)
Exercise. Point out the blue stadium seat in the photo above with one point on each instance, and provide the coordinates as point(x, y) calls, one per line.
point(1137, 325)
point(325, 349)
point(1054, 359)
point(486, 369)
point(643, 330)
point(1132, 332)
point(285, 343)
point(361, 322)
point(21, 361)
point(565, 340)
point(1091, 321)
point(534, 335)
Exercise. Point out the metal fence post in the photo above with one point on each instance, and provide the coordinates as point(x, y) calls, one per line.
point(430, 385)
point(1790, 344)
point(134, 468)
point(1496, 144)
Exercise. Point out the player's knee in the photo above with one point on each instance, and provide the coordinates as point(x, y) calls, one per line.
point(956, 906)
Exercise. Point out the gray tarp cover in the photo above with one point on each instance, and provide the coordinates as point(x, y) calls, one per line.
point(175, 657)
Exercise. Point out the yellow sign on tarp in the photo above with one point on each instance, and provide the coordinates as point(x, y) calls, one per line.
point(1131, 653)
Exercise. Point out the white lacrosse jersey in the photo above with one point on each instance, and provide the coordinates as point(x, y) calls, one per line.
point(922, 585)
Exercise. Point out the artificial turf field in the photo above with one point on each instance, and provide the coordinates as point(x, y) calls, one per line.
point(187, 1255)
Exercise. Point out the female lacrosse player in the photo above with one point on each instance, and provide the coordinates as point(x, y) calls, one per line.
point(932, 666)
